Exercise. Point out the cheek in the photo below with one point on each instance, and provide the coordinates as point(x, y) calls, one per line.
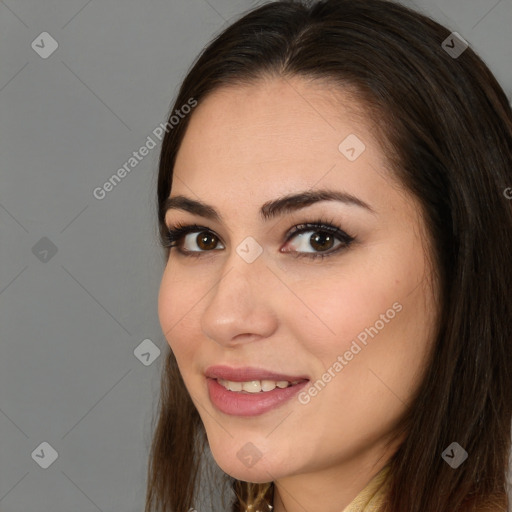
point(166, 303)
point(175, 302)
point(384, 306)
point(337, 308)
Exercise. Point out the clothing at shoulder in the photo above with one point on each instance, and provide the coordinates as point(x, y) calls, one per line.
point(370, 499)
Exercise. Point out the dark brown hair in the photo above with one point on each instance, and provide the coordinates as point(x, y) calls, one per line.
point(446, 126)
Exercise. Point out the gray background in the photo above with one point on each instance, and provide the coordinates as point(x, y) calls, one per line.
point(71, 321)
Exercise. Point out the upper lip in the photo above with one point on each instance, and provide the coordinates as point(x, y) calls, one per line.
point(247, 373)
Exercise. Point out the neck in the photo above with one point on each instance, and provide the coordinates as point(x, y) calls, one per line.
point(330, 490)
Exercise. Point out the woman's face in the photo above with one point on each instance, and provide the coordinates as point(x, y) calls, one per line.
point(357, 324)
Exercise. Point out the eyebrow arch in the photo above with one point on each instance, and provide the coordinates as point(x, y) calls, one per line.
point(270, 209)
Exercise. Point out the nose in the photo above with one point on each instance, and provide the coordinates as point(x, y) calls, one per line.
point(239, 307)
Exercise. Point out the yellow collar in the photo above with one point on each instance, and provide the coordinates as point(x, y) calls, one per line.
point(370, 499)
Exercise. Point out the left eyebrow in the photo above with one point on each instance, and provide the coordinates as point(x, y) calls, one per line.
point(270, 209)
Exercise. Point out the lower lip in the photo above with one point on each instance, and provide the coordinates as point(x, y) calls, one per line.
point(249, 404)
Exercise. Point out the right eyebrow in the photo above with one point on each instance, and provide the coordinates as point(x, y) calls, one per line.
point(270, 209)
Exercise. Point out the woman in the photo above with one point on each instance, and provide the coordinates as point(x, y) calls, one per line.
point(337, 288)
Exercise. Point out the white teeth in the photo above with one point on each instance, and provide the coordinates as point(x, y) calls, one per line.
point(268, 385)
point(255, 386)
point(234, 386)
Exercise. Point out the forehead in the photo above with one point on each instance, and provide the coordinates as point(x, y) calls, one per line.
point(271, 117)
point(273, 137)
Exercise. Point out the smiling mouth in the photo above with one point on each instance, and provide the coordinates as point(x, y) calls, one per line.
point(251, 397)
point(257, 386)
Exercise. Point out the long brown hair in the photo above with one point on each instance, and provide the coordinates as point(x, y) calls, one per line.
point(446, 126)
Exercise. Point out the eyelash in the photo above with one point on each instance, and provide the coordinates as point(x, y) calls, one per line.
point(175, 234)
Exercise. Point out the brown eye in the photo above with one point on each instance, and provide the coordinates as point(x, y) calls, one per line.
point(206, 241)
point(191, 239)
point(321, 241)
point(200, 241)
point(317, 240)
point(194, 240)
point(314, 241)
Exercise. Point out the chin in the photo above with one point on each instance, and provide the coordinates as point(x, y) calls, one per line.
point(246, 463)
point(238, 471)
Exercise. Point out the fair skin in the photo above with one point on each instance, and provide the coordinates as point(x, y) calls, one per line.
point(250, 144)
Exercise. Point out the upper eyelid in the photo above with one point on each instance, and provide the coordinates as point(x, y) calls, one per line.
point(293, 215)
point(294, 230)
point(190, 227)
